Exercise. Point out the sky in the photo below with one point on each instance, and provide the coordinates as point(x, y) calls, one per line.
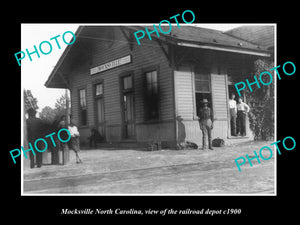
point(35, 73)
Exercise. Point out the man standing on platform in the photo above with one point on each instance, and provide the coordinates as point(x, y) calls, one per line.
point(64, 146)
point(34, 131)
point(233, 112)
point(242, 110)
point(206, 119)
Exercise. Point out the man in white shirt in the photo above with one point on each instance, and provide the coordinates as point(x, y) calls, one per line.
point(73, 130)
point(242, 110)
point(233, 112)
point(74, 140)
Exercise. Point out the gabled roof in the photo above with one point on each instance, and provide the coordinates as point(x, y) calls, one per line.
point(192, 36)
point(209, 36)
point(56, 79)
point(261, 35)
point(186, 35)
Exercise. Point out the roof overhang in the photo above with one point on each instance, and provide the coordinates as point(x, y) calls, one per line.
point(57, 79)
point(225, 49)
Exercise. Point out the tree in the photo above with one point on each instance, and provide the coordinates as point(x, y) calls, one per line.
point(61, 103)
point(51, 115)
point(48, 114)
point(29, 100)
point(60, 106)
point(261, 101)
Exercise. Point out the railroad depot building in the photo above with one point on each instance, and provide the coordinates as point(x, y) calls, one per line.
point(152, 92)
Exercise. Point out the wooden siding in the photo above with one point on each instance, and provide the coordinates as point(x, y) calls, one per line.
point(185, 104)
point(163, 131)
point(192, 131)
point(148, 55)
point(78, 82)
point(220, 129)
point(184, 95)
point(219, 96)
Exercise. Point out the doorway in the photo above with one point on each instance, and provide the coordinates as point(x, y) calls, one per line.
point(237, 122)
point(100, 117)
point(128, 108)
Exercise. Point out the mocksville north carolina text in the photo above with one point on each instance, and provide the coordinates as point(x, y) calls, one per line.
point(37, 141)
point(162, 212)
point(42, 50)
point(268, 149)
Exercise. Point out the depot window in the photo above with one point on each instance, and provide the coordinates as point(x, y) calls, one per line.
point(151, 95)
point(82, 107)
point(202, 81)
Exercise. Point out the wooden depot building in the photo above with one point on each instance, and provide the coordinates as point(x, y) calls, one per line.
point(150, 93)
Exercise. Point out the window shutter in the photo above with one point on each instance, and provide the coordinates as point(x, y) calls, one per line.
point(219, 96)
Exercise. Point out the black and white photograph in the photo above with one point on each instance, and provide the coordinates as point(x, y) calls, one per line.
point(145, 109)
point(167, 112)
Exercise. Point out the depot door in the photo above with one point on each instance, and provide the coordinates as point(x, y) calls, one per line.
point(99, 105)
point(128, 109)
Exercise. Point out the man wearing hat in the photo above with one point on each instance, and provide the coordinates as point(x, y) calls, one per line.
point(34, 131)
point(206, 119)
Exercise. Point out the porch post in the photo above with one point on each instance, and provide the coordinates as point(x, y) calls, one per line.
point(66, 152)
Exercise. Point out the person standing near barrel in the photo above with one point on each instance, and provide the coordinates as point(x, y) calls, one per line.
point(34, 131)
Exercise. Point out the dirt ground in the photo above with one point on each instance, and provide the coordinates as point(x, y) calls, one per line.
point(163, 172)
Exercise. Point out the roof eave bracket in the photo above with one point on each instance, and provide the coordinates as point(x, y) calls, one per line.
point(166, 53)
